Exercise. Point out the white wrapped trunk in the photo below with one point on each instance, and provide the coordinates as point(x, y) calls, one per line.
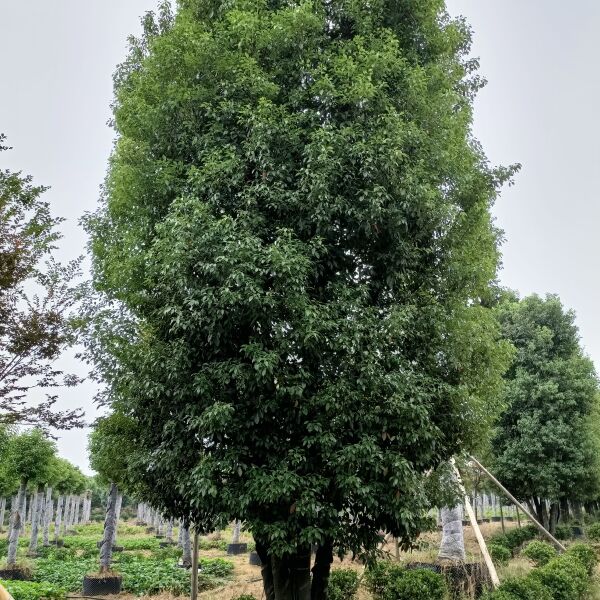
point(110, 526)
point(59, 512)
point(35, 521)
point(15, 524)
point(452, 546)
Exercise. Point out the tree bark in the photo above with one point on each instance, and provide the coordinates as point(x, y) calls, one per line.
point(110, 526)
point(321, 571)
point(2, 514)
point(117, 517)
point(237, 527)
point(186, 559)
point(15, 525)
point(266, 570)
point(59, 511)
point(35, 521)
point(23, 512)
point(47, 516)
point(66, 513)
point(169, 533)
point(452, 546)
point(553, 519)
point(291, 576)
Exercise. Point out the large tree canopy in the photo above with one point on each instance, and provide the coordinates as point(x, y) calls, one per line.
point(295, 248)
point(35, 304)
point(546, 445)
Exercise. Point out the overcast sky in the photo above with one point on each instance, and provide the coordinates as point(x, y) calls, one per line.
point(540, 108)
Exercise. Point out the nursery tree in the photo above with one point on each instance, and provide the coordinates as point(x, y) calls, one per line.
point(545, 446)
point(29, 458)
point(293, 257)
point(36, 299)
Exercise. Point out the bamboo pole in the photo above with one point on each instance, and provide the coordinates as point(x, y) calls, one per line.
point(541, 528)
point(480, 540)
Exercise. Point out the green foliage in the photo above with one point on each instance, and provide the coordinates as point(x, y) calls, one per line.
point(245, 597)
point(565, 576)
point(539, 552)
point(65, 574)
point(562, 532)
point(31, 590)
point(417, 583)
point(378, 576)
point(525, 588)
point(514, 538)
point(593, 532)
point(500, 554)
point(296, 235)
point(585, 555)
point(547, 445)
point(343, 584)
point(29, 456)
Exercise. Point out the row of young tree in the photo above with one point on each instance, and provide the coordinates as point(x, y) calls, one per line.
point(40, 489)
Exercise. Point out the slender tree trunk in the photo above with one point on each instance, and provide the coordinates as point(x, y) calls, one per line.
point(76, 512)
point(59, 511)
point(110, 526)
point(15, 525)
point(180, 535)
point(47, 516)
point(169, 533)
point(35, 523)
point(553, 519)
point(237, 527)
point(23, 513)
point(502, 518)
point(186, 559)
point(452, 546)
point(66, 514)
point(2, 514)
point(117, 517)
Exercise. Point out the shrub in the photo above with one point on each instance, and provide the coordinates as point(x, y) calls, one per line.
point(417, 583)
point(500, 554)
point(565, 576)
point(593, 532)
point(585, 555)
point(539, 552)
point(563, 532)
point(31, 590)
point(245, 597)
point(515, 537)
point(379, 576)
point(343, 584)
point(499, 595)
point(526, 588)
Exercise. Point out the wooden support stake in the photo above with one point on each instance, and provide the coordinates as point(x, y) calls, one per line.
point(482, 546)
point(195, 552)
point(541, 528)
point(502, 518)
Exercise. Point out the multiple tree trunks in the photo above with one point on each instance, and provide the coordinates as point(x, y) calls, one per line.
point(289, 578)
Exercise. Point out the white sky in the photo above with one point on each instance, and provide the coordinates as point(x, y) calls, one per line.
point(539, 108)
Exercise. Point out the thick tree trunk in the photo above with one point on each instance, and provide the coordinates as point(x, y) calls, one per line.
point(180, 535)
point(76, 512)
point(35, 522)
point(66, 513)
point(15, 525)
point(117, 517)
point(320, 571)
point(291, 576)
point(110, 526)
point(2, 514)
point(452, 546)
point(266, 571)
point(186, 559)
point(59, 511)
point(47, 516)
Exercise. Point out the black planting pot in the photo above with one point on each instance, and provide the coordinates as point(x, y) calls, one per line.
point(254, 559)
point(159, 536)
point(16, 573)
point(510, 519)
point(100, 586)
point(465, 522)
point(486, 520)
point(57, 543)
point(496, 519)
point(235, 549)
point(577, 531)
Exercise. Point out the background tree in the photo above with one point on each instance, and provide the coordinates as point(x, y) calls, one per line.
point(29, 459)
point(295, 251)
point(34, 325)
point(545, 448)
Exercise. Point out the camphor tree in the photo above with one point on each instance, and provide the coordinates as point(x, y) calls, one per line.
point(293, 258)
point(108, 448)
point(545, 447)
point(29, 458)
point(36, 301)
